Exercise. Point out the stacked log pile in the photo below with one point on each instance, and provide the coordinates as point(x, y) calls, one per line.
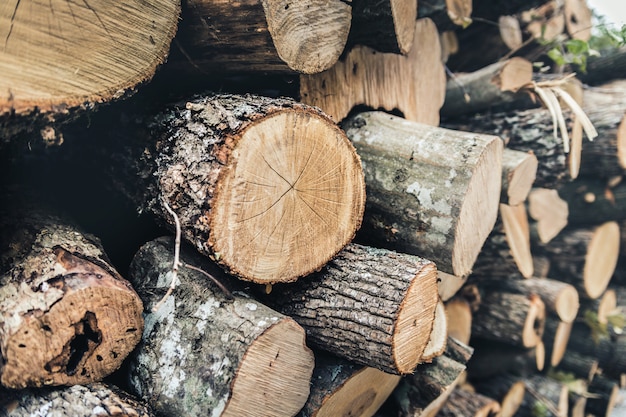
point(276, 208)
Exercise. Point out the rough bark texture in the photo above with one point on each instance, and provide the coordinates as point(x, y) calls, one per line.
point(430, 191)
point(372, 306)
point(604, 68)
point(387, 26)
point(343, 388)
point(604, 395)
point(492, 86)
point(544, 395)
point(66, 316)
point(413, 84)
point(240, 171)
point(593, 201)
point(93, 400)
point(492, 358)
point(510, 318)
point(203, 353)
point(462, 403)
point(263, 35)
point(581, 366)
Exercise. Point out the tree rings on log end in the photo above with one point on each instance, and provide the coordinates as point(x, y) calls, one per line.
point(84, 336)
point(291, 196)
point(276, 362)
point(601, 259)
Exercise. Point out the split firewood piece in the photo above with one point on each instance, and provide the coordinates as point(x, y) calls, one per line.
point(595, 201)
point(244, 358)
point(506, 251)
point(462, 403)
point(447, 14)
point(67, 317)
point(387, 26)
point(585, 257)
point(335, 307)
point(263, 35)
point(413, 84)
point(438, 336)
point(459, 313)
point(494, 358)
point(79, 54)
point(581, 366)
point(559, 297)
point(578, 21)
point(430, 191)
point(342, 388)
point(549, 212)
point(491, 86)
point(556, 337)
point(241, 171)
point(603, 395)
point(506, 388)
point(93, 400)
point(519, 170)
point(449, 44)
point(544, 395)
point(425, 391)
point(515, 319)
point(449, 284)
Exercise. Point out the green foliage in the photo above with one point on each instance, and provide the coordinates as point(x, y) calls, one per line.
point(598, 330)
point(572, 51)
point(540, 409)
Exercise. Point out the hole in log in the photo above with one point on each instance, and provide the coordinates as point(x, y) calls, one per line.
point(87, 338)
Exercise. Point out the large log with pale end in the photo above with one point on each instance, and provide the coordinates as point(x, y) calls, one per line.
point(430, 191)
point(372, 306)
point(66, 316)
point(342, 388)
point(271, 36)
point(92, 400)
point(269, 188)
point(204, 351)
point(413, 84)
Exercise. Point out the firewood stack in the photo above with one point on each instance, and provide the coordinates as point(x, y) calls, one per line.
point(275, 208)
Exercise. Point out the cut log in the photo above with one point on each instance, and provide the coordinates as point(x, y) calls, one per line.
point(491, 86)
point(66, 316)
point(243, 357)
point(585, 258)
point(506, 388)
point(93, 400)
point(519, 170)
point(438, 336)
point(459, 315)
point(578, 19)
point(581, 366)
point(240, 172)
point(514, 319)
point(342, 388)
point(549, 212)
point(609, 66)
point(506, 251)
point(61, 57)
point(447, 14)
point(604, 394)
point(462, 403)
point(492, 358)
point(449, 285)
point(413, 84)
point(262, 36)
point(387, 26)
point(336, 307)
point(593, 201)
point(544, 396)
point(590, 339)
point(430, 191)
point(556, 337)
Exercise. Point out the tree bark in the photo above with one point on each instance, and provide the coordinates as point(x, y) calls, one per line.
point(387, 26)
point(446, 14)
point(93, 400)
point(462, 403)
point(274, 36)
point(413, 84)
point(342, 388)
point(492, 358)
point(581, 366)
point(585, 257)
point(556, 337)
point(84, 54)
point(545, 396)
point(506, 388)
point(510, 318)
point(439, 201)
point(593, 201)
point(240, 172)
point(244, 358)
point(605, 394)
point(67, 317)
point(604, 68)
point(336, 309)
point(519, 170)
point(491, 86)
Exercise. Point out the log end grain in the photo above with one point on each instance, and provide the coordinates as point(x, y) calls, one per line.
point(515, 223)
point(559, 342)
point(404, 14)
point(459, 12)
point(84, 54)
point(95, 322)
point(549, 211)
point(578, 19)
point(567, 303)
point(519, 172)
point(512, 400)
point(459, 315)
point(438, 336)
point(601, 258)
point(290, 198)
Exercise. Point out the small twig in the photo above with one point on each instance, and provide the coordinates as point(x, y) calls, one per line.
point(176, 262)
point(225, 290)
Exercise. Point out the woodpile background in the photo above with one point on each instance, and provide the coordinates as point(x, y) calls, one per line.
point(313, 208)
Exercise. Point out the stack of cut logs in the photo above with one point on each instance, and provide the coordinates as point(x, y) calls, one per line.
point(381, 209)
